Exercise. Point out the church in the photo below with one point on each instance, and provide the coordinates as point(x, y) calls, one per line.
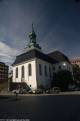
point(37, 69)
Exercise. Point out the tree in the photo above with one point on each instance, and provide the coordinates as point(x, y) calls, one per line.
point(63, 79)
point(76, 73)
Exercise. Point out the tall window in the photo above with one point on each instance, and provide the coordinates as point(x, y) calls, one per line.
point(59, 67)
point(40, 69)
point(45, 70)
point(29, 70)
point(53, 68)
point(22, 71)
point(49, 71)
point(17, 72)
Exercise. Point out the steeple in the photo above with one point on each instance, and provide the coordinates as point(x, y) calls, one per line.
point(32, 41)
point(32, 35)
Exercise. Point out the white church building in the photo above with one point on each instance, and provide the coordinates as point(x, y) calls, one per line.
point(37, 69)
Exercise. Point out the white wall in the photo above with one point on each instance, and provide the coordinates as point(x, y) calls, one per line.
point(36, 80)
point(42, 79)
point(30, 80)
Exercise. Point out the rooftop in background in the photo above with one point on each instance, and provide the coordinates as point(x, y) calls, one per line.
point(75, 60)
point(3, 64)
point(58, 56)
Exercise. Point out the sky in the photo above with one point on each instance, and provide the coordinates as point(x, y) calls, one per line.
point(56, 23)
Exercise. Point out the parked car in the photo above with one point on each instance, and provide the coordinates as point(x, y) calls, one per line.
point(30, 92)
point(22, 91)
point(47, 91)
point(15, 91)
point(55, 90)
point(77, 88)
point(38, 91)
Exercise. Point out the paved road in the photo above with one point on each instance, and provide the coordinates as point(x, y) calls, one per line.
point(41, 108)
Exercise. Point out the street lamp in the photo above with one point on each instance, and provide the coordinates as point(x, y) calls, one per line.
point(64, 64)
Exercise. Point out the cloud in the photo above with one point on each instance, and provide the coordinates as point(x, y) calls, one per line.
point(52, 41)
point(7, 53)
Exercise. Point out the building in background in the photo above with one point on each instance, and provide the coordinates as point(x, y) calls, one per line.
point(75, 61)
point(3, 72)
point(62, 61)
point(37, 69)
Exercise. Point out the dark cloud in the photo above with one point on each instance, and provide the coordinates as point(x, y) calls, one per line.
point(56, 22)
point(1, 0)
point(77, 0)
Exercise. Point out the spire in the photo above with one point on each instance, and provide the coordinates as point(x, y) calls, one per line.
point(32, 35)
point(32, 43)
point(32, 28)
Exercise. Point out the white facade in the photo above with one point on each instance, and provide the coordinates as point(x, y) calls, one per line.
point(44, 80)
point(29, 80)
point(35, 80)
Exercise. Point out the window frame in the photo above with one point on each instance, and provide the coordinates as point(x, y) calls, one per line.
point(29, 69)
point(16, 72)
point(49, 71)
point(40, 69)
point(45, 70)
point(22, 71)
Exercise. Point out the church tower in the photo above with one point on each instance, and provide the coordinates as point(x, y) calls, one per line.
point(32, 41)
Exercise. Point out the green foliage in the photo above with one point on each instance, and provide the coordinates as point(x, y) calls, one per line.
point(76, 73)
point(63, 79)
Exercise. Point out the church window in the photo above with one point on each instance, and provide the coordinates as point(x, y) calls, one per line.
point(40, 69)
point(45, 70)
point(59, 67)
point(53, 68)
point(49, 71)
point(29, 70)
point(17, 72)
point(22, 71)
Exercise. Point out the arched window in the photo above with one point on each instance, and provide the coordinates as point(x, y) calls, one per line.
point(40, 69)
point(22, 71)
point(59, 67)
point(45, 70)
point(17, 72)
point(49, 71)
point(29, 70)
point(53, 68)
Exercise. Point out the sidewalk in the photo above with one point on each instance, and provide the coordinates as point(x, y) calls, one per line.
point(60, 93)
